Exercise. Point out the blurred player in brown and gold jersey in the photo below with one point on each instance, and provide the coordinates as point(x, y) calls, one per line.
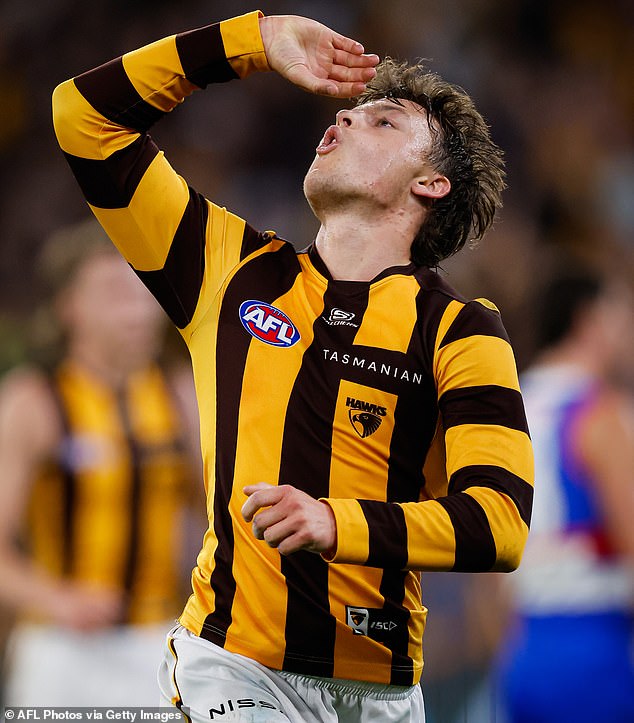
point(96, 473)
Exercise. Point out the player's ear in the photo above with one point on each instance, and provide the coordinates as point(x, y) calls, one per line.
point(431, 185)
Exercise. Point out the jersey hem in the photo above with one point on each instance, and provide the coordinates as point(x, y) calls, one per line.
point(349, 670)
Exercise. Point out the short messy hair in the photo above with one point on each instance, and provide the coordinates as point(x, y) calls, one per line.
point(462, 150)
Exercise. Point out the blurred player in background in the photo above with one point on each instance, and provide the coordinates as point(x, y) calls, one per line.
point(96, 473)
point(570, 656)
point(327, 379)
point(461, 641)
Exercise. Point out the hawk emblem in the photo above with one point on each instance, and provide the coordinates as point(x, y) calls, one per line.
point(364, 423)
point(357, 619)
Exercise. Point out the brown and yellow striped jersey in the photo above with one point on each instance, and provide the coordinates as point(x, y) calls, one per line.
point(396, 401)
point(107, 509)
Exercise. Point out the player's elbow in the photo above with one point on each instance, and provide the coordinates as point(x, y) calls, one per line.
point(510, 551)
point(60, 107)
point(68, 115)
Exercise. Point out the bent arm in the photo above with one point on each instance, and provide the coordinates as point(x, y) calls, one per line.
point(101, 119)
point(180, 245)
point(479, 521)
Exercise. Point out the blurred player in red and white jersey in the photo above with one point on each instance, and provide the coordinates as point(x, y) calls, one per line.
point(570, 656)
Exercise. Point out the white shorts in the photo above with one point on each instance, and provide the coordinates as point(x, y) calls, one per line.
point(212, 684)
point(52, 666)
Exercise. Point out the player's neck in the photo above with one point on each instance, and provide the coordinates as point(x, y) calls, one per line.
point(358, 249)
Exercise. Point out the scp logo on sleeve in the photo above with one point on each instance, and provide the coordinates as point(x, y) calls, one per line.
point(268, 324)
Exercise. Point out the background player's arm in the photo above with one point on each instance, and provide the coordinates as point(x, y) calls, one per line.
point(604, 442)
point(29, 436)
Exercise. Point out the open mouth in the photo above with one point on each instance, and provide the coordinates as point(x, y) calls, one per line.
point(331, 139)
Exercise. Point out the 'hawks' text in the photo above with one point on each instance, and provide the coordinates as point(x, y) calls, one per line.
point(366, 406)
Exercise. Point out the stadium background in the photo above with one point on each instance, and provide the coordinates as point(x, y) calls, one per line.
point(553, 78)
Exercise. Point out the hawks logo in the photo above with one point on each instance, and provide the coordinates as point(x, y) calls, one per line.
point(376, 623)
point(268, 324)
point(357, 619)
point(365, 417)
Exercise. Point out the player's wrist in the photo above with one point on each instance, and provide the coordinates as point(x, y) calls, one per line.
point(330, 540)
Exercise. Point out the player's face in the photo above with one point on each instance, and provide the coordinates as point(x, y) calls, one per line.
point(108, 306)
point(374, 151)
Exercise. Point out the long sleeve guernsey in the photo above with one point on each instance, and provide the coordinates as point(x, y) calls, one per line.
point(395, 401)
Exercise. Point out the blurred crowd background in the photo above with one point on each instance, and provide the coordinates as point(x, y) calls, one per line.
point(552, 77)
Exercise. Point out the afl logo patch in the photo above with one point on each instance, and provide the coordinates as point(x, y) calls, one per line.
point(268, 324)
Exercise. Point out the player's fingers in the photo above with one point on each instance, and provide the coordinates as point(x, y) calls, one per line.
point(260, 495)
point(250, 507)
point(348, 44)
point(265, 519)
point(293, 543)
point(350, 60)
point(258, 531)
point(332, 88)
point(300, 75)
point(351, 75)
point(277, 534)
point(347, 90)
point(286, 538)
point(250, 489)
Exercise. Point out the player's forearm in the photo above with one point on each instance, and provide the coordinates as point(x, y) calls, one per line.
point(101, 120)
point(25, 587)
point(478, 531)
point(101, 117)
point(134, 91)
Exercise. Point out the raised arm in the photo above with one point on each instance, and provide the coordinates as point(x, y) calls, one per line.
point(171, 235)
